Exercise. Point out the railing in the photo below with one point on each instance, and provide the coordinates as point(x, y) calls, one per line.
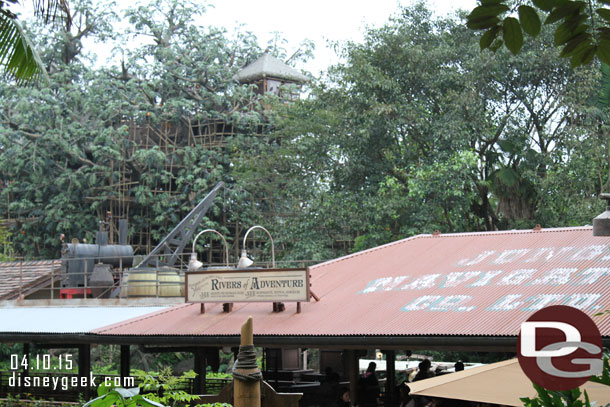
point(34, 280)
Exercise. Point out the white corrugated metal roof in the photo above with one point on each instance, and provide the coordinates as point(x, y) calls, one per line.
point(63, 320)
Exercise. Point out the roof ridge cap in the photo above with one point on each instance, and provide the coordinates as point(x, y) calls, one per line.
point(456, 234)
point(366, 251)
point(140, 318)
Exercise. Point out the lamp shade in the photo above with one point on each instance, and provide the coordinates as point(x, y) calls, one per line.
point(244, 261)
point(194, 264)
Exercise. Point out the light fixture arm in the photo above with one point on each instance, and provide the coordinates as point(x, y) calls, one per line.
point(223, 240)
point(270, 238)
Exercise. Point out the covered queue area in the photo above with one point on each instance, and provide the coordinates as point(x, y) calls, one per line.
point(456, 292)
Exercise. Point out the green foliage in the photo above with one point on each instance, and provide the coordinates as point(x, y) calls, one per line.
point(7, 249)
point(567, 398)
point(156, 389)
point(419, 131)
point(63, 146)
point(548, 398)
point(416, 131)
point(162, 388)
point(17, 54)
point(110, 396)
point(13, 400)
point(582, 33)
point(604, 93)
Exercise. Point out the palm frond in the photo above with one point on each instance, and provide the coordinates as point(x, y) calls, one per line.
point(53, 10)
point(18, 56)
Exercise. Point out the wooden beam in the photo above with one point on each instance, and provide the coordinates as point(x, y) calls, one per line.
point(200, 369)
point(84, 368)
point(390, 384)
point(353, 373)
point(125, 361)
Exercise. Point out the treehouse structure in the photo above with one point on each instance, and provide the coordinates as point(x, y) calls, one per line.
point(117, 196)
point(271, 75)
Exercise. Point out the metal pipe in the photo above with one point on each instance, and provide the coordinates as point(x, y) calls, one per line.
point(85, 290)
point(20, 278)
point(223, 240)
point(270, 238)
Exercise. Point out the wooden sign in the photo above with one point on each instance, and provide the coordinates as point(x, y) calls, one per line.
point(265, 285)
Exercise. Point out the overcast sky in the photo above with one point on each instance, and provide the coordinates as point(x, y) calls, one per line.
point(321, 21)
point(317, 20)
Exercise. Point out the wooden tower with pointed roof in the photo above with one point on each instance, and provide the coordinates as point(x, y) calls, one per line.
point(270, 75)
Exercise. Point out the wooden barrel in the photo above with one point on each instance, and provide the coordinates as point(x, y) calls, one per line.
point(142, 282)
point(171, 283)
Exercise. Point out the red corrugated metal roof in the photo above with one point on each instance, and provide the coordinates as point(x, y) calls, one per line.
point(472, 284)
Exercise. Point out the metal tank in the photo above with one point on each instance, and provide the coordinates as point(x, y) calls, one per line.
point(78, 258)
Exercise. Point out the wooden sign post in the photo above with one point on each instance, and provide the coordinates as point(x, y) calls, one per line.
point(246, 375)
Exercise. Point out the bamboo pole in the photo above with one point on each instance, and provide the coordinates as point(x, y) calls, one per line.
point(247, 336)
point(246, 393)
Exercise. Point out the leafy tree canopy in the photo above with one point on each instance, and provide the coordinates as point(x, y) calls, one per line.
point(419, 131)
point(415, 131)
point(581, 28)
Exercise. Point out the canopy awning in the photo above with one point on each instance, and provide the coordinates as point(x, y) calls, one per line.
point(497, 383)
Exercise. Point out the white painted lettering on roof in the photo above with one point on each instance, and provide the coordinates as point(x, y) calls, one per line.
point(557, 276)
point(422, 303)
point(426, 281)
point(453, 303)
point(583, 301)
point(588, 253)
point(383, 284)
point(456, 278)
point(540, 254)
point(517, 277)
point(507, 303)
point(509, 275)
point(593, 274)
point(478, 259)
point(508, 256)
point(486, 278)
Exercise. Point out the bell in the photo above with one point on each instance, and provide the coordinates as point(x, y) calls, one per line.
point(601, 224)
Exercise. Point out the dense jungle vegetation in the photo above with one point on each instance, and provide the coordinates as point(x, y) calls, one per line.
point(417, 130)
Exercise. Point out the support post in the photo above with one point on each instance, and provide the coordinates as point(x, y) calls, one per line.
point(276, 367)
point(390, 384)
point(85, 281)
point(200, 369)
point(52, 282)
point(246, 383)
point(84, 368)
point(125, 360)
point(353, 375)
